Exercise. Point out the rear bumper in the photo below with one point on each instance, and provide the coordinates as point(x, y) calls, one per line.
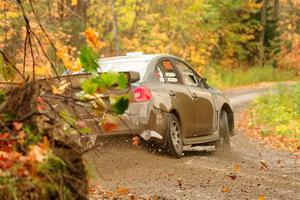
point(141, 119)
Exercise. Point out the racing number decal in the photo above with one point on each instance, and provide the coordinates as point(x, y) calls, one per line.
point(168, 71)
point(167, 65)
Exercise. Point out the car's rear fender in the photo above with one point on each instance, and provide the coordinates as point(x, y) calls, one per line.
point(162, 101)
point(145, 117)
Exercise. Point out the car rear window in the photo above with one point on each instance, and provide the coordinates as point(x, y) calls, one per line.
point(136, 66)
point(166, 72)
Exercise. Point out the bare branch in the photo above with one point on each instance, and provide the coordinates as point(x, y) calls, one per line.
point(31, 51)
point(11, 64)
point(29, 32)
point(61, 117)
point(41, 27)
point(45, 54)
point(24, 54)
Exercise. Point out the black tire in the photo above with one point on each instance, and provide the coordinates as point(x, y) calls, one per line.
point(223, 144)
point(174, 137)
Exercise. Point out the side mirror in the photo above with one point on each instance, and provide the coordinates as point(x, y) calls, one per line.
point(204, 82)
point(132, 77)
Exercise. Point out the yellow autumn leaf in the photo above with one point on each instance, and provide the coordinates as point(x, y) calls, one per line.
point(62, 53)
point(261, 197)
point(77, 65)
point(74, 2)
point(91, 35)
point(45, 144)
point(66, 58)
point(55, 90)
point(252, 4)
point(92, 39)
point(237, 168)
point(43, 71)
point(61, 88)
point(122, 191)
point(226, 189)
point(61, 50)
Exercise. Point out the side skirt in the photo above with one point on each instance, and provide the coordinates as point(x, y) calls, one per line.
point(201, 139)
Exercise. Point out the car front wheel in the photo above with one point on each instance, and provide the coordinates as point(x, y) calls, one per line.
point(174, 137)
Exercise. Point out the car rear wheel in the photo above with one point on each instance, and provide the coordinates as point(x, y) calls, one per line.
point(174, 137)
point(223, 143)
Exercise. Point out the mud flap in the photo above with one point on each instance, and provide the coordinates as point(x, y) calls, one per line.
point(148, 134)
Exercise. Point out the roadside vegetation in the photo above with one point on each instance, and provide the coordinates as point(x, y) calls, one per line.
point(275, 117)
point(41, 153)
point(231, 42)
point(226, 78)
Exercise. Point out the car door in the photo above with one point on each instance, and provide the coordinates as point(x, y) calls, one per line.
point(202, 107)
point(181, 98)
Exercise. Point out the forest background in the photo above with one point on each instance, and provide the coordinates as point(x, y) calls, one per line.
point(232, 42)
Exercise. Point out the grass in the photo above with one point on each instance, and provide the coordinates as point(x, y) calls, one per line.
point(278, 113)
point(224, 78)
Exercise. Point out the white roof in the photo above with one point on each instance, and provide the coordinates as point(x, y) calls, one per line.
point(129, 58)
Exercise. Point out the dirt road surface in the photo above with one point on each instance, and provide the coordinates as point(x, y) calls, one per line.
point(249, 171)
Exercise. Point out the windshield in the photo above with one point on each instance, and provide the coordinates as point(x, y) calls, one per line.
point(125, 66)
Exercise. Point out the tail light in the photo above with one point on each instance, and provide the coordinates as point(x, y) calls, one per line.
point(142, 94)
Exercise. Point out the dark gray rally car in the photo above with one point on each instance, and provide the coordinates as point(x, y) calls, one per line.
point(172, 104)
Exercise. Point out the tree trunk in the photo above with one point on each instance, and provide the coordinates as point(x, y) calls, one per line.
point(276, 10)
point(60, 7)
point(84, 12)
point(49, 10)
point(263, 21)
point(115, 28)
point(81, 10)
point(137, 12)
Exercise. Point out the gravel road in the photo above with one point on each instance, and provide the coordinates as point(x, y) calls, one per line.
point(249, 171)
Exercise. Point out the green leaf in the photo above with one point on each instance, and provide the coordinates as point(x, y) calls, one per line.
point(6, 71)
point(119, 103)
point(53, 165)
point(1, 62)
point(122, 80)
point(88, 60)
point(99, 82)
point(110, 78)
point(67, 117)
point(2, 96)
point(32, 137)
point(85, 130)
point(89, 87)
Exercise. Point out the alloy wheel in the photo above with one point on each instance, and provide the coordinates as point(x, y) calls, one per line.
point(175, 134)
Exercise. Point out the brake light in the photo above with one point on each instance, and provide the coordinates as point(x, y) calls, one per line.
point(142, 94)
